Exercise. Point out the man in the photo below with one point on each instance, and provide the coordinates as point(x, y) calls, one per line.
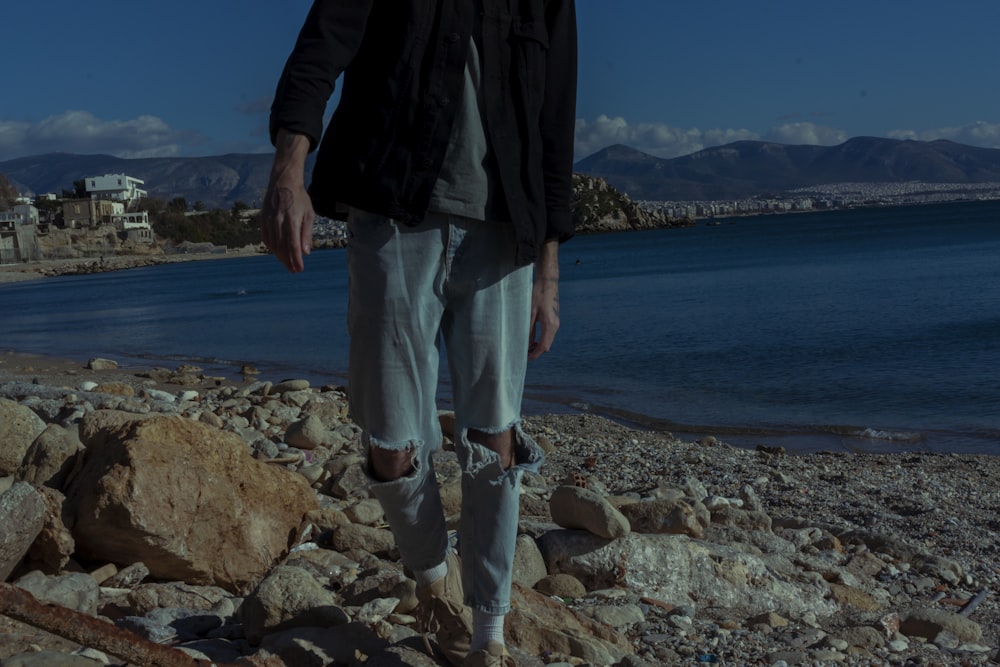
point(452, 147)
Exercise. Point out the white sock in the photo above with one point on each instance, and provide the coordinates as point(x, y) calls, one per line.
point(485, 628)
point(427, 577)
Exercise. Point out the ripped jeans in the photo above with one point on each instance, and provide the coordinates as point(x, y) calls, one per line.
point(451, 278)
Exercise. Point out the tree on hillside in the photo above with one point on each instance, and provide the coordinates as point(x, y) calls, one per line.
point(79, 190)
point(218, 226)
point(178, 204)
point(238, 207)
point(152, 205)
point(8, 193)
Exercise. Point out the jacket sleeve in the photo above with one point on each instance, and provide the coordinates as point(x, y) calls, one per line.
point(558, 120)
point(329, 38)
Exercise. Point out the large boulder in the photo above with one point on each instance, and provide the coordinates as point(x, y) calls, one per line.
point(50, 457)
point(537, 624)
point(184, 498)
point(19, 426)
point(682, 571)
point(22, 516)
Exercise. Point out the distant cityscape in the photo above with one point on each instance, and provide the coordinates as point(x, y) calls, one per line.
point(828, 197)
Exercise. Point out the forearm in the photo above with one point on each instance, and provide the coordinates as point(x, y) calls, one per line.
point(291, 150)
point(547, 264)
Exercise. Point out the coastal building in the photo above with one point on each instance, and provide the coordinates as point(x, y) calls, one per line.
point(92, 213)
point(19, 235)
point(116, 187)
point(88, 213)
point(136, 227)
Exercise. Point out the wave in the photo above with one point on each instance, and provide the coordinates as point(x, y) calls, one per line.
point(799, 438)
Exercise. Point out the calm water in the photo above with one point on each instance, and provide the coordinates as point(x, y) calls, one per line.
point(871, 329)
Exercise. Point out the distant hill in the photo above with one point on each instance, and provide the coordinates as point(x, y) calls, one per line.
point(215, 181)
point(733, 171)
point(747, 168)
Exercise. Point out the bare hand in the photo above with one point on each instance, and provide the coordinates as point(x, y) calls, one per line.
point(544, 302)
point(287, 216)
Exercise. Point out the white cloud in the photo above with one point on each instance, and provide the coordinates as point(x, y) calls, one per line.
point(804, 133)
point(82, 132)
point(657, 139)
point(979, 133)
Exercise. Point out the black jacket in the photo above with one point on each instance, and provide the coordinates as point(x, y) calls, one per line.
point(403, 63)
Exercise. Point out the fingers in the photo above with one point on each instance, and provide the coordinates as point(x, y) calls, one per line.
point(286, 225)
point(543, 334)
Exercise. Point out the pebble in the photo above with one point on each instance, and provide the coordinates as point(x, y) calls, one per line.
point(828, 509)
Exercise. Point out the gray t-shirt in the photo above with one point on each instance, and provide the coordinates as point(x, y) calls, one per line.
point(468, 184)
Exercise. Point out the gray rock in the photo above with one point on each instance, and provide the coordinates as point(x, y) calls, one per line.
point(289, 597)
point(172, 624)
point(695, 489)
point(576, 507)
point(384, 582)
point(741, 518)
point(350, 483)
point(48, 659)
point(324, 645)
point(684, 571)
point(308, 433)
point(101, 364)
point(367, 512)
point(289, 385)
point(54, 546)
point(19, 427)
point(376, 541)
point(751, 501)
point(670, 516)
point(928, 623)
point(22, 515)
point(375, 610)
point(618, 616)
point(148, 597)
point(529, 566)
point(561, 585)
point(50, 457)
point(862, 636)
point(128, 577)
point(76, 591)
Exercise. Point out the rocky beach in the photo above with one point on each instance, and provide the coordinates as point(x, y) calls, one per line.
point(162, 516)
point(13, 273)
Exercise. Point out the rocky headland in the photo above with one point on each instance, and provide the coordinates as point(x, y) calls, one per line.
point(162, 516)
point(599, 207)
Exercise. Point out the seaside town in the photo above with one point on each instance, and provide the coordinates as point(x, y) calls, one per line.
point(108, 216)
point(830, 197)
point(46, 226)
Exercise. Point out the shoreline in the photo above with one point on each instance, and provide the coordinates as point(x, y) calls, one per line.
point(844, 549)
point(799, 440)
point(50, 268)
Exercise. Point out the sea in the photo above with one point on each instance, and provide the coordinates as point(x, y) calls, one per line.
point(874, 330)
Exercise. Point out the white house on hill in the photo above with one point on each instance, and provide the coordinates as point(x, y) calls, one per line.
point(116, 187)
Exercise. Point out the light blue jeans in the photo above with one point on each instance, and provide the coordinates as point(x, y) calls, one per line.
point(451, 278)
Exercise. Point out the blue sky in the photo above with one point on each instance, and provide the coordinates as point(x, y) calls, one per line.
point(184, 78)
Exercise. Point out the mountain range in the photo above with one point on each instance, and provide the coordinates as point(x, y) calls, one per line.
point(733, 171)
point(751, 168)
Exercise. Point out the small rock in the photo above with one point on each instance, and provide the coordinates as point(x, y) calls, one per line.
point(561, 585)
point(575, 507)
point(100, 364)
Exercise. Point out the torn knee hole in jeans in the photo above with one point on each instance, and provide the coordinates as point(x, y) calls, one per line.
point(478, 456)
point(398, 451)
